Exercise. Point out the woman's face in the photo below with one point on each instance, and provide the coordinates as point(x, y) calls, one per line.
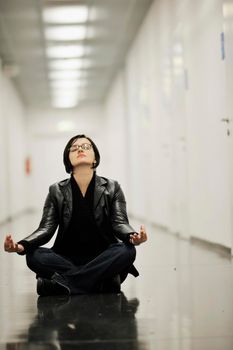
point(81, 153)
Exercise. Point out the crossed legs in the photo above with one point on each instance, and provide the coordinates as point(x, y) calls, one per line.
point(115, 260)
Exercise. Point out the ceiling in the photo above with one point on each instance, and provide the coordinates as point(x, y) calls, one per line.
point(97, 53)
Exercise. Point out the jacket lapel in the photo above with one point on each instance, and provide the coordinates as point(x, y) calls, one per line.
point(99, 189)
point(67, 193)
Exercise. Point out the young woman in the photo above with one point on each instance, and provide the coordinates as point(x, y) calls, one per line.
point(94, 249)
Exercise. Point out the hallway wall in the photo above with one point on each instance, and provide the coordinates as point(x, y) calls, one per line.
point(177, 147)
point(13, 145)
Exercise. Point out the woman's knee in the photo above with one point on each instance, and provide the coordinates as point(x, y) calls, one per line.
point(31, 259)
point(126, 251)
point(130, 252)
point(34, 257)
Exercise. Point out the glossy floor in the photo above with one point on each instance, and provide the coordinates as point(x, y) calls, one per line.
point(181, 300)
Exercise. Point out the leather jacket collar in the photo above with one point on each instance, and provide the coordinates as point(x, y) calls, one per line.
point(100, 184)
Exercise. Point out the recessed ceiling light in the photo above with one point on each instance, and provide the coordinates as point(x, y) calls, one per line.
point(65, 14)
point(66, 64)
point(64, 102)
point(65, 125)
point(68, 32)
point(178, 61)
point(64, 51)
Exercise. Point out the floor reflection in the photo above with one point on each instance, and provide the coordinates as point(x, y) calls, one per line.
point(185, 293)
point(100, 320)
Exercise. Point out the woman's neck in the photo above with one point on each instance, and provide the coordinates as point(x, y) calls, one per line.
point(83, 175)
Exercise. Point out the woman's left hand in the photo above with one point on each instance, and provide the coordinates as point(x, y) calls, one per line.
point(138, 238)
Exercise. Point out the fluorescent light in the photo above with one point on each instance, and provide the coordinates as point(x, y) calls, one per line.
point(178, 61)
point(65, 14)
point(68, 32)
point(72, 74)
point(64, 102)
point(70, 64)
point(65, 125)
point(66, 64)
point(65, 51)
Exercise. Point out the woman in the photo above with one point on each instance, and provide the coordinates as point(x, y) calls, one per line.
point(94, 248)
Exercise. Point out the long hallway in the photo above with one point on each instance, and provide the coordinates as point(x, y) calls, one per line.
point(150, 82)
point(181, 300)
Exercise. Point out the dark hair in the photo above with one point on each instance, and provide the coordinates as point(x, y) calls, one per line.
point(66, 152)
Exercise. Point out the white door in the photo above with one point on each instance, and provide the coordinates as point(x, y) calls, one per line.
point(209, 176)
point(227, 120)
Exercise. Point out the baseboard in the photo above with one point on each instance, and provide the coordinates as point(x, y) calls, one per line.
point(16, 216)
point(217, 247)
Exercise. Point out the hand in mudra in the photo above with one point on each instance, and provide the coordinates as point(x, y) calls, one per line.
point(12, 247)
point(139, 238)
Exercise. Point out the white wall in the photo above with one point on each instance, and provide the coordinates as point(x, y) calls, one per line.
point(175, 95)
point(228, 119)
point(209, 194)
point(12, 151)
point(117, 164)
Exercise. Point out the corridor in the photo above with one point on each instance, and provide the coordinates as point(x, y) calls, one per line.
point(181, 300)
point(150, 82)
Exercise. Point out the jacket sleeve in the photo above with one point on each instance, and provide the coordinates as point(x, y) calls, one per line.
point(46, 229)
point(119, 217)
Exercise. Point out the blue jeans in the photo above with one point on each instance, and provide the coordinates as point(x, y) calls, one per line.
point(116, 259)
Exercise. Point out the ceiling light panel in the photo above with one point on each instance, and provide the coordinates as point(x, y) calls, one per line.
point(67, 32)
point(64, 103)
point(65, 14)
point(66, 64)
point(65, 125)
point(73, 74)
point(65, 51)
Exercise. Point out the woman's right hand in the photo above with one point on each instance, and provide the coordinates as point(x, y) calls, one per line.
point(11, 247)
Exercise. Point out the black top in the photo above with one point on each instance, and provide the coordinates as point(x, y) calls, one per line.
point(82, 241)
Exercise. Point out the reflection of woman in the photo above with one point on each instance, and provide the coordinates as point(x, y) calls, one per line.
point(85, 318)
point(94, 248)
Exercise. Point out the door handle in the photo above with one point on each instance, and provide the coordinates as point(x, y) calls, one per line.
point(226, 120)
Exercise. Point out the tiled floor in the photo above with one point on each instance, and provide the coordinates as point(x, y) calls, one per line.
point(181, 300)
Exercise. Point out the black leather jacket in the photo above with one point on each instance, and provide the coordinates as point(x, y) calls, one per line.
point(109, 212)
